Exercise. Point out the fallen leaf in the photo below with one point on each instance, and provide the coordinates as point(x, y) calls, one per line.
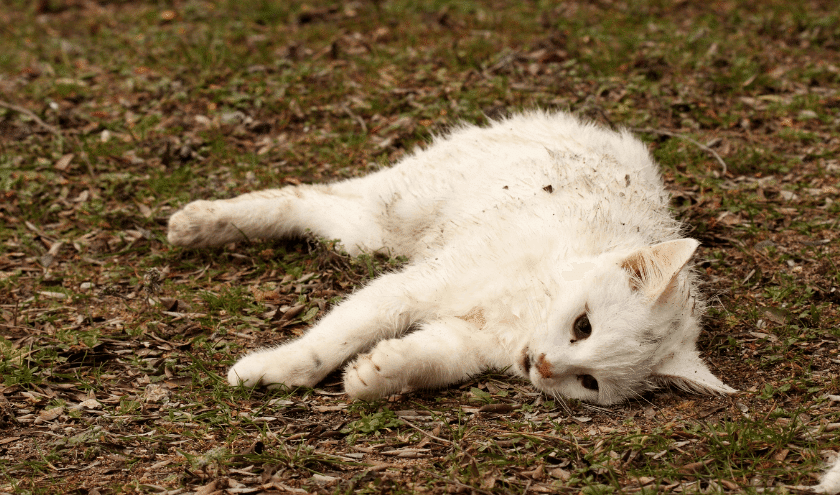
point(496, 408)
point(695, 466)
point(781, 455)
point(144, 210)
point(63, 163)
point(88, 404)
point(49, 415)
point(209, 488)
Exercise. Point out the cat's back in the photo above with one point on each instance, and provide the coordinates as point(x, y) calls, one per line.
point(535, 170)
point(555, 149)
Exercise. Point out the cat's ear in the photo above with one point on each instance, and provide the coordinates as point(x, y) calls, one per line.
point(655, 269)
point(686, 371)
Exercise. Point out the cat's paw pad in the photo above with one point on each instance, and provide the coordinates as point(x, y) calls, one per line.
point(365, 379)
point(275, 367)
point(196, 225)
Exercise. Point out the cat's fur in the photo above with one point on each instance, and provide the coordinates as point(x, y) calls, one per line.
point(539, 245)
point(830, 482)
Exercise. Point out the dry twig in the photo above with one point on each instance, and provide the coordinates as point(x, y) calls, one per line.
point(30, 114)
point(442, 440)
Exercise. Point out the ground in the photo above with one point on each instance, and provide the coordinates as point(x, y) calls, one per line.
point(114, 344)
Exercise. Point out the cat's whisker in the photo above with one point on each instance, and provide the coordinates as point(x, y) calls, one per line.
point(597, 408)
point(562, 401)
point(640, 397)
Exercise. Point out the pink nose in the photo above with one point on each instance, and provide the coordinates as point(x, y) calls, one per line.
point(543, 367)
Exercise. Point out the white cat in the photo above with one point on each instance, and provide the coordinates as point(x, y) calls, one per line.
point(539, 245)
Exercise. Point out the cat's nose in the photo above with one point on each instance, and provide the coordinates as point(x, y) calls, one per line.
point(543, 367)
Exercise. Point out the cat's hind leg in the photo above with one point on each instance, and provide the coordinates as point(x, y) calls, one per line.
point(440, 353)
point(324, 210)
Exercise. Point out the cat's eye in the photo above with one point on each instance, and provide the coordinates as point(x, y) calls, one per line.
point(589, 382)
point(581, 327)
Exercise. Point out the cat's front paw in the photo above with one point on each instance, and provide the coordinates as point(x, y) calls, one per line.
point(280, 366)
point(199, 224)
point(372, 377)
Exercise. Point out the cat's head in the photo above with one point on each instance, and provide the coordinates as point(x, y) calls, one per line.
point(620, 324)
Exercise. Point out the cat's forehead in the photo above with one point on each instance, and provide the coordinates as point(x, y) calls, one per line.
point(576, 271)
point(591, 276)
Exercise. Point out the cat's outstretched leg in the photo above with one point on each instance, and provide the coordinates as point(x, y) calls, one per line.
point(382, 310)
point(329, 211)
point(440, 353)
